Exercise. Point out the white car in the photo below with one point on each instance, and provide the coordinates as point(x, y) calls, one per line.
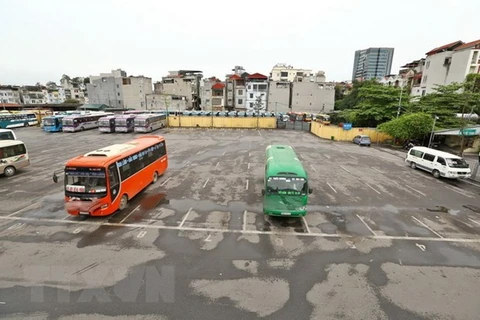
point(439, 163)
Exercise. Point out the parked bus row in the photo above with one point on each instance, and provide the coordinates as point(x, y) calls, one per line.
point(14, 120)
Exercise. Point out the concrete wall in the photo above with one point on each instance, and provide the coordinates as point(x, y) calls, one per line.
point(162, 102)
point(222, 122)
point(460, 66)
point(327, 132)
point(312, 97)
point(134, 90)
point(279, 96)
point(106, 90)
point(178, 86)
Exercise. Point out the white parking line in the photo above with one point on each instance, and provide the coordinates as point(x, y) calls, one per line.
point(372, 188)
point(24, 209)
point(459, 192)
point(344, 168)
point(313, 168)
point(353, 157)
point(424, 225)
point(259, 133)
point(217, 165)
point(205, 184)
point(246, 185)
point(366, 225)
point(235, 231)
point(306, 225)
point(332, 187)
point(326, 156)
point(185, 218)
point(128, 215)
point(301, 156)
point(476, 222)
point(244, 220)
point(164, 182)
point(423, 194)
point(224, 153)
point(248, 166)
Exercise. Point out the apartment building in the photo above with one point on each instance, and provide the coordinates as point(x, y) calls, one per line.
point(218, 96)
point(54, 95)
point(10, 94)
point(182, 83)
point(372, 63)
point(256, 92)
point(284, 72)
point(33, 95)
point(302, 96)
point(465, 60)
point(118, 90)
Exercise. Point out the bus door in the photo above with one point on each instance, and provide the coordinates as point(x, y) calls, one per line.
point(114, 182)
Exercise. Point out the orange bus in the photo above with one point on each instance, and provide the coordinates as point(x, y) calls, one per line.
point(101, 182)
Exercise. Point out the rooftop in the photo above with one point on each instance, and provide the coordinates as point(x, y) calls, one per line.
point(218, 85)
point(474, 44)
point(446, 47)
point(257, 76)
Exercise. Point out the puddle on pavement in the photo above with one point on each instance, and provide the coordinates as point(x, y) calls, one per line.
point(337, 219)
point(473, 208)
point(439, 209)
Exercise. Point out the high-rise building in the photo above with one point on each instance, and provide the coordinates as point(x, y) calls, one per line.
point(372, 63)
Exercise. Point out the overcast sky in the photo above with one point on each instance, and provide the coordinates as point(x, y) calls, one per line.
point(41, 40)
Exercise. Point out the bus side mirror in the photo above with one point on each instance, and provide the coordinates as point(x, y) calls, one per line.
point(55, 178)
point(263, 192)
point(310, 190)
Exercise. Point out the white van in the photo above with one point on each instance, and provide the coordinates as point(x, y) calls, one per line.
point(13, 156)
point(439, 163)
point(7, 134)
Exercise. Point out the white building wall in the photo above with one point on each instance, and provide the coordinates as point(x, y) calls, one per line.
point(253, 92)
point(9, 96)
point(461, 65)
point(289, 73)
point(434, 72)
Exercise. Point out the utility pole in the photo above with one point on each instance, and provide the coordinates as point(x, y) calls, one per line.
point(433, 131)
point(400, 102)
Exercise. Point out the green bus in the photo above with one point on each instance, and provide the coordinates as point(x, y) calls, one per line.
point(286, 189)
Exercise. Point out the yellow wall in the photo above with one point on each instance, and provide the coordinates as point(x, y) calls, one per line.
point(222, 122)
point(339, 134)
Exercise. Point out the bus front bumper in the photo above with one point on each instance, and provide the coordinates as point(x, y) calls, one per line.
point(285, 213)
point(86, 208)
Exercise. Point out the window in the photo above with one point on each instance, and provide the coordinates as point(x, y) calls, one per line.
point(424, 80)
point(416, 153)
point(240, 92)
point(427, 65)
point(240, 101)
point(428, 157)
point(118, 86)
point(251, 95)
point(118, 94)
point(251, 104)
point(283, 74)
point(441, 161)
point(262, 87)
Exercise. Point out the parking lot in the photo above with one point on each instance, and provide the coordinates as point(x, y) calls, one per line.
point(379, 237)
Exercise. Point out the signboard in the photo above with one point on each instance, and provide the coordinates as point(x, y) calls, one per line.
point(467, 132)
point(347, 126)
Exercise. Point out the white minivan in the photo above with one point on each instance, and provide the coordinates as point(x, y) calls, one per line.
point(7, 134)
point(13, 156)
point(439, 163)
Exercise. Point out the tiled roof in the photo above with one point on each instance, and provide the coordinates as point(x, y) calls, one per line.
point(447, 47)
point(218, 85)
point(257, 76)
point(468, 45)
point(235, 77)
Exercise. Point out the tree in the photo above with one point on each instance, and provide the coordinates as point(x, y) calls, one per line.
point(65, 78)
point(258, 105)
point(351, 100)
point(376, 104)
point(86, 80)
point(408, 126)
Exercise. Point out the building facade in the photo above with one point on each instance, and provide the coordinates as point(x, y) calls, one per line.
point(284, 72)
point(156, 101)
point(54, 96)
point(33, 95)
point(236, 93)
point(465, 60)
point(218, 96)
point(256, 92)
point(372, 63)
point(75, 90)
point(118, 90)
point(182, 83)
point(302, 96)
point(10, 94)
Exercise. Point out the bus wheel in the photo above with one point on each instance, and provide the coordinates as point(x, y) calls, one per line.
point(25, 124)
point(123, 202)
point(9, 171)
point(155, 177)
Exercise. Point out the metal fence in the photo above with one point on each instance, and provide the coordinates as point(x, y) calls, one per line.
point(293, 125)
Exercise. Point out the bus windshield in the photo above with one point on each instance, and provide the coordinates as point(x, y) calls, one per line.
point(85, 180)
point(49, 121)
point(104, 123)
point(140, 122)
point(68, 122)
point(286, 186)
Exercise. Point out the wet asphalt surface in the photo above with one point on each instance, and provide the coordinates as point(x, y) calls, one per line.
point(381, 241)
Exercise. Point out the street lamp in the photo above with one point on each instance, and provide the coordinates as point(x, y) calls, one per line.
point(433, 129)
